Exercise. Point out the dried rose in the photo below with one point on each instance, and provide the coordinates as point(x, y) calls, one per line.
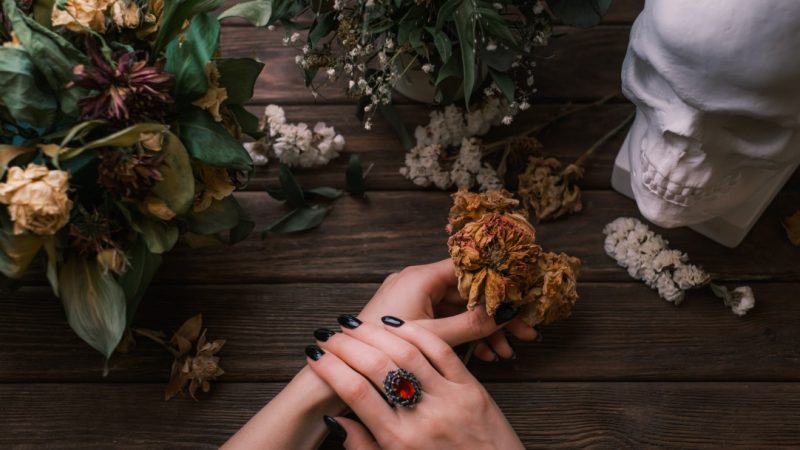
point(197, 370)
point(213, 183)
point(549, 189)
point(792, 226)
point(36, 198)
point(78, 15)
point(495, 259)
point(152, 19)
point(215, 95)
point(126, 14)
point(469, 206)
point(112, 260)
point(553, 297)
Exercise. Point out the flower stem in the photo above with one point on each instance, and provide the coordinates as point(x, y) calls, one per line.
point(470, 350)
point(148, 334)
point(605, 138)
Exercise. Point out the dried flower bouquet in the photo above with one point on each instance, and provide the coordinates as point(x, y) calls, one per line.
point(119, 134)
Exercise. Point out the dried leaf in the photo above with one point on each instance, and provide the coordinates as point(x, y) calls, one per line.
point(187, 333)
point(792, 226)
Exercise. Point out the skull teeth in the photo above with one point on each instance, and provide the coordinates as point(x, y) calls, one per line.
point(676, 193)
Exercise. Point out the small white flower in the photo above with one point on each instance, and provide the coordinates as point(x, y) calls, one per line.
point(497, 6)
point(295, 37)
point(507, 120)
point(331, 72)
point(368, 124)
point(427, 68)
point(524, 106)
point(271, 27)
point(491, 46)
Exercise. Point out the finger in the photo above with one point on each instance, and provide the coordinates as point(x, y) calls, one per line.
point(484, 352)
point(402, 353)
point(521, 330)
point(465, 327)
point(355, 436)
point(436, 278)
point(453, 296)
point(438, 352)
point(364, 358)
point(499, 344)
point(355, 390)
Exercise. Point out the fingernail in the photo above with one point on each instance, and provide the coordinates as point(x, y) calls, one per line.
point(392, 321)
point(539, 337)
point(323, 334)
point(513, 351)
point(334, 427)
point(348, 321)
point(504, 313)
point(314, 352)
point(496, 358)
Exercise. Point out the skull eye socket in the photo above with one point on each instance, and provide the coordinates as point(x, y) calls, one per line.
point(753, 137)
point(644, 81)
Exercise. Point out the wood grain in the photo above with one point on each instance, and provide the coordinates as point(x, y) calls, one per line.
point(545, 415)
point(617, 332)
point(577, 65)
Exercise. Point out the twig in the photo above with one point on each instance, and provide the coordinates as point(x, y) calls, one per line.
point(153, 337)
point(606, 137)
point(470, 350)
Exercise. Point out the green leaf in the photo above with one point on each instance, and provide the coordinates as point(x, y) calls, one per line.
point(443, 44)
point(123, 138)
point(16, 251)
point(43, 12)
point(325, 192)
point(210, 142)
point(301, 219)
point(243, 228)
point(221, 216)
point(176, 12)
point(323, 24)
point(187, 57)
point(446, 12)
point(505, 83)
point(238, 76)
point(143, 265)
point(393, 119)
point(52, 263)
point(580, 13)
point(291, 188)
point(53, 55)
point(257, 12)
point(159, 236)
point(354, 177)
point(465, 29)
point(246, 120)
point(176, 187)
point(500, 59)
point(94, 304)
point(21, 93)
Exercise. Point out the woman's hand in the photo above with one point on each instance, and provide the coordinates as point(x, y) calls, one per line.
point(426, 292)
point(453, 412)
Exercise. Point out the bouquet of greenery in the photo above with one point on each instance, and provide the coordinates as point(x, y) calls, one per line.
point(458, 48)
point(119, 135)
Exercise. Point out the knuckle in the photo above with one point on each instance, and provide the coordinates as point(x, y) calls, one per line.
point(356, 391)
point(441, 352)
point(406, 354)
point(476, 323)
point(376, 366)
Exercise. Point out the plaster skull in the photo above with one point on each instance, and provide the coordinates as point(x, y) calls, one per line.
point(716, 84)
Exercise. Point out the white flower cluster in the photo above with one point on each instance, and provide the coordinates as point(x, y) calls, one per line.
point(453, 127)
point(648, 257)
point(296, 145)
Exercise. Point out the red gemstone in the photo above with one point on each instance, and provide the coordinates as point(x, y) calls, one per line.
point(404, 388)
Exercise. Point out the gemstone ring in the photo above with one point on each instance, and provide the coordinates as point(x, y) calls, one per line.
point(402, 388)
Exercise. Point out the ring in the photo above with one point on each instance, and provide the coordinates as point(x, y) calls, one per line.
point(402, 388)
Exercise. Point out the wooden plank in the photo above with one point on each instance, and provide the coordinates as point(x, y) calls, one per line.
point(545, 415)
point(617, 332)
point(578, 65)
point(380, 148)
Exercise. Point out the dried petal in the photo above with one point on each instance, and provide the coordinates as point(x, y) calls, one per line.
point(555, 298)
point(550, 190)
point(469, 206)
point(792, 226)
point(36, 198)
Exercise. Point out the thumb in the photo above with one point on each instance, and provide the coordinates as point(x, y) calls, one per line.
point(355, 436)
point(469, 325)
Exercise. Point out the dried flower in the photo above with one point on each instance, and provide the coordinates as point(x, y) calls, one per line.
point(212, 183)
point(112, 260)
point(792, 226)
point(130, 172)
point(90, 233)
point(740, 300)
point(129, 90)
point(554, 299)
point(151, 19)
point(157, 208)
point(126, 14)
point(78, 15)
point(197, 370)
point(37, 199)
point(215, 95)
point(469, 207)
point(549, 189)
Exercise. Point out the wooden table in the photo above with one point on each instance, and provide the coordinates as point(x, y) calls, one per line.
point(628, 370)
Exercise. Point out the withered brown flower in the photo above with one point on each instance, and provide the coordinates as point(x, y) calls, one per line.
point(555, 293)
point(197, 370)
point(792, 226)
point(128, 171)
point(469, 206)
point(549, 189)
point(495, 259)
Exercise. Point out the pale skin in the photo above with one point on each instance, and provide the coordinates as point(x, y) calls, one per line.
point(426, 299)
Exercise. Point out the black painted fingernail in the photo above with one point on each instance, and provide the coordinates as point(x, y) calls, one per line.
point(314, 352)
point(539, 337)
point(392, 321)
point(348, 321)
point(496, 358)
point(513, 350)
point(504, 313)
point(334, 427)
point(323, 334)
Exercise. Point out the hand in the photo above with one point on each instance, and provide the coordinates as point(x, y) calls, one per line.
point(430, 291)
point(454, 411)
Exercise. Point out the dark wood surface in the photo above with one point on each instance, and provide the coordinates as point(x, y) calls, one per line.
point(627, 370)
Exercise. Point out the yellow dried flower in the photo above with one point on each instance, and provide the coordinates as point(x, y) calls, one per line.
point(37, 199)
point(14, 42)
point(152, 19)
point(215, 95)
point(126, 14)
point(555, 294)
point(81, 14)
point(213, 183)
point(495, 259)
point(198, 370)
point(112, 260)
point(550, 190)
point(469, 206)
point(792, 226)
point(157, 208)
